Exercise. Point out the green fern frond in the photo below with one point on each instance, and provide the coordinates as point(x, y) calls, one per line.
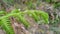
point(15, 11)
point(23, 20)
point(2, 13)
point(45, 16)
point(6, 25)
point(35, 14)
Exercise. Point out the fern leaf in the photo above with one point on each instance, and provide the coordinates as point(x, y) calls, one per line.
point(6, 25)
point(22, 20)
point(15, 11)
point(2, 13)
point(33, 15)
point(45, 16)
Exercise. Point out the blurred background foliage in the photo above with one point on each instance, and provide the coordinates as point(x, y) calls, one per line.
point(30, 4)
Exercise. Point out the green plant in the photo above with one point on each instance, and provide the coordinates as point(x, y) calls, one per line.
point(6, 23)
point(56, 4)
point(48, 1)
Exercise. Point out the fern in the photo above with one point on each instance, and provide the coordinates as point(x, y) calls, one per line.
point(2, 13)
point(35, 14)
point(6, 25)
point(44, 16)
point(22, 20)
